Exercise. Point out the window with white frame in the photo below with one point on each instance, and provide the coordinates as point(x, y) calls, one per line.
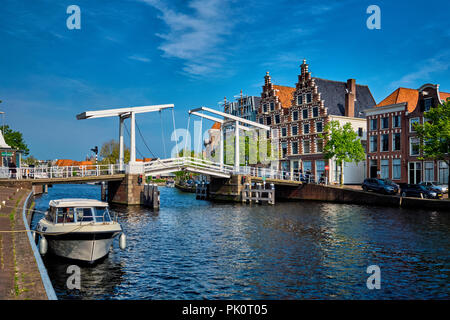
point(272, 106)
point(295, 116)
point(373, 124)
point(294, 147)
point(443, 172)
point(299, 99)
point(384, 174)
point(385, 142)
point(277, 118)
point(428, 103)
point(396, 144)
point(305, 113)
point(315, 112)
point(373, 143)
point(396, 122)
point(396, 169)
point(306, 128)
point(319, 145)
point(284, 132)
point(414, 146)
point(306, 146)
point(319, 126)
point(385, 123)
point(412, 122)
point(429, 171)
point(294, 130)
point(308, 97)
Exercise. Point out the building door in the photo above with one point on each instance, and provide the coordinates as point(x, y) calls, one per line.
point(373, 168)
point(415, 172)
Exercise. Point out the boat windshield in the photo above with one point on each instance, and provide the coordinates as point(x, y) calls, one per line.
point(84, 214)
point(102, 214)
point(65, 215)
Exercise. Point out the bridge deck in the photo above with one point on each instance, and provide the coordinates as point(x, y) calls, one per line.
point(69, 180)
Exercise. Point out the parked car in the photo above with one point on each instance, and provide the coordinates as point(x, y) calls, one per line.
point(380, 186)
point(420, 191)
point(389, 182)
point(441, 188)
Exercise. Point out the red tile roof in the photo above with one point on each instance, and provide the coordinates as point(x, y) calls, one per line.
point(444, 95)
point(411, 96)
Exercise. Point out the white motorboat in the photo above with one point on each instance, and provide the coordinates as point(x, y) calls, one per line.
point(79, 229)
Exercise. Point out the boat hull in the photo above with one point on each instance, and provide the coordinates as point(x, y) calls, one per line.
point(82, 245)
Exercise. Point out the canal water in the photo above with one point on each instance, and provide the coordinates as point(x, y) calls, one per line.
point(195, 249)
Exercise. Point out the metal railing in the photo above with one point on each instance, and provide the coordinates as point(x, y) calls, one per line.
point(57, 172)
point(183, 163)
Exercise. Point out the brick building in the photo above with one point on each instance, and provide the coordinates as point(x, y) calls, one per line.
point(393, 146)
point(297, 115)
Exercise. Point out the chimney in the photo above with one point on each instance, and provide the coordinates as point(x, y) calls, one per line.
point(350, 97)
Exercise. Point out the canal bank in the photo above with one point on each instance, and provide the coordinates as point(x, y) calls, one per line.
point(231, 190)
point(23, 275)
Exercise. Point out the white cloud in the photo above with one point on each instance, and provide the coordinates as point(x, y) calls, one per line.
point(195, 36)
point(139, 58)
point(424, 73)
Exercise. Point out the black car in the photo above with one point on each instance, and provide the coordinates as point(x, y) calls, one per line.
point(380, 186)
point(420, 191)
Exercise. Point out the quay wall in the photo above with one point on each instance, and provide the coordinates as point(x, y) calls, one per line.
point(22, 274)
point(230, 190)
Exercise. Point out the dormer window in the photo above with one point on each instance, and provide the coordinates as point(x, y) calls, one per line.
point(428, 102)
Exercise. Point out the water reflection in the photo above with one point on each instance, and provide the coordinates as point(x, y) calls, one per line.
point(191, 249)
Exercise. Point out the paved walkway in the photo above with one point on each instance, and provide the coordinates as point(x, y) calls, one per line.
point(19, 275)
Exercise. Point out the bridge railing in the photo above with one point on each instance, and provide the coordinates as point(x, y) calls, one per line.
point(181, 163)
point(270, 173)
point(56, 172)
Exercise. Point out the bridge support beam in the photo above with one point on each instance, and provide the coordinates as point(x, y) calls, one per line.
point(121, 144)
point(236, 148)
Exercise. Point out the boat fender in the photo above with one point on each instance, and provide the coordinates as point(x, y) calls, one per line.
point(123, 241)
point(43, 246)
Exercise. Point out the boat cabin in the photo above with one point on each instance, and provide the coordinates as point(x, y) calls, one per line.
point(78, 210)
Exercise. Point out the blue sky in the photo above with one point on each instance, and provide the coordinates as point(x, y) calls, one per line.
point(192, 53)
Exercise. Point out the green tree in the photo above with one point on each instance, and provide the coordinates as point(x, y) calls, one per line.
point(435, 134)
point(31, 161)
point(15, 140)
point(342, 144)
point(110, 153)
